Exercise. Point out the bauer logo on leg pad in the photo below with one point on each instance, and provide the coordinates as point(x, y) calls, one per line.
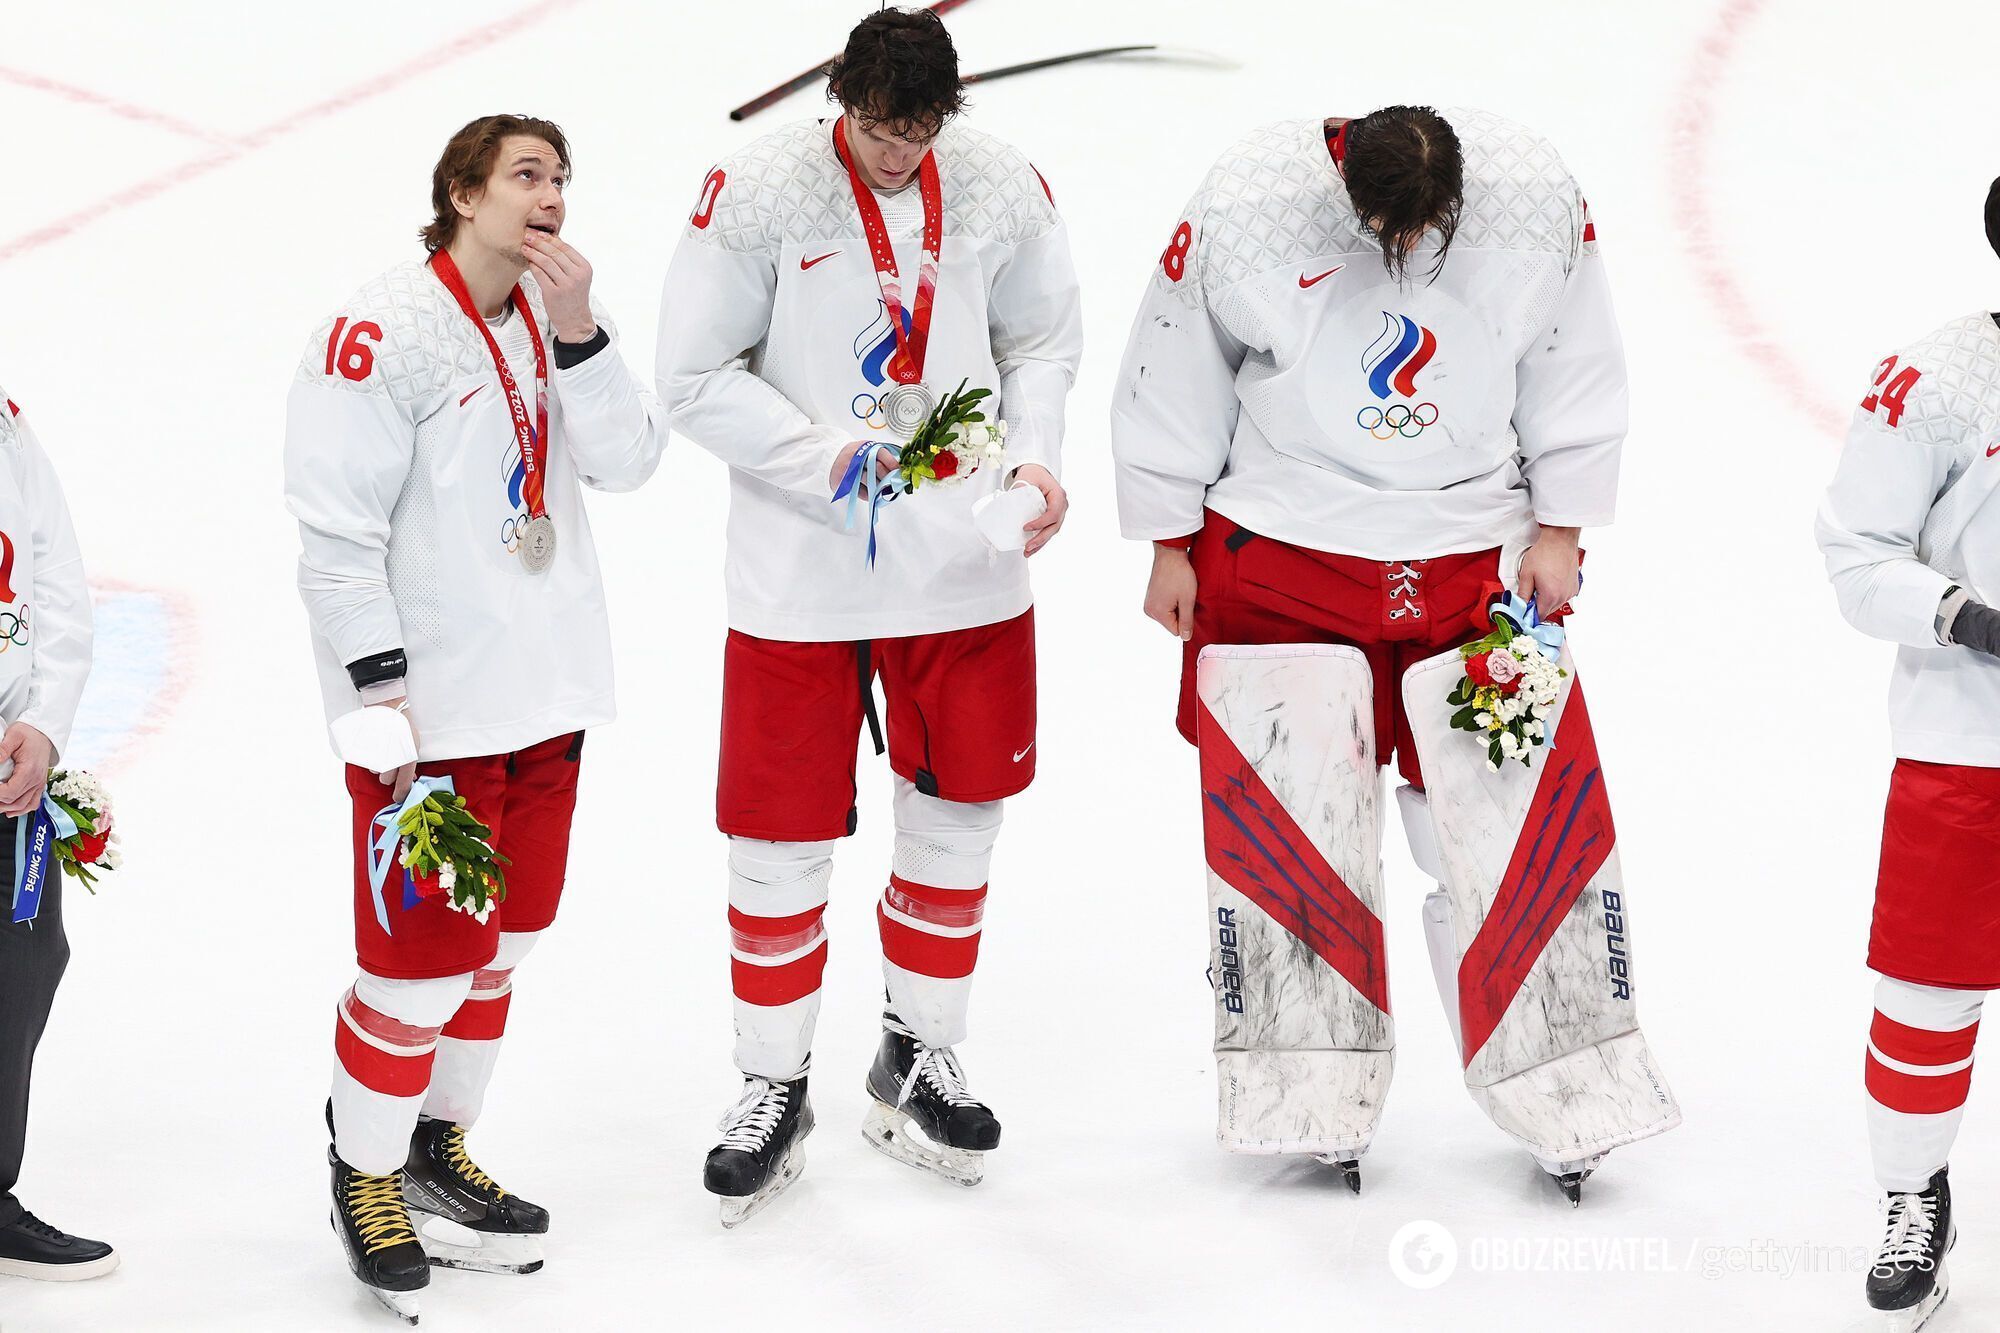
point(1229, 986)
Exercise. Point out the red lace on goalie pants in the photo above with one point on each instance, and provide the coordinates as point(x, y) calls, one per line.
point(1919, 1070)
point(929, 916)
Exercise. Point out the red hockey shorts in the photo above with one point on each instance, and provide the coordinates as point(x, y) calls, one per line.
point(1937, 895)
point(961, 724)
point(1256, 590)
point(527, 798)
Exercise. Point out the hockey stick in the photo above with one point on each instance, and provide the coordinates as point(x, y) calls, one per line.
point(792, 85)
point(1162, 53)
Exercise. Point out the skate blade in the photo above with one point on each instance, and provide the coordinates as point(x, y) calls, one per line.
point(402, 1304)
point(1569, 1176)
point(738, 1210)
point(1919, 1315)
point(449, 1244)
point(891, 1133)
point(1349, 1167)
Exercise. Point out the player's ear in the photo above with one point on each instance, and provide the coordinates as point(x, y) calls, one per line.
point(465, 201)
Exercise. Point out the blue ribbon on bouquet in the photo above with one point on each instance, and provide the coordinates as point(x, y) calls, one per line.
point(35, 839)
point(886, 488)
point(1527, 618)
point(382, 847)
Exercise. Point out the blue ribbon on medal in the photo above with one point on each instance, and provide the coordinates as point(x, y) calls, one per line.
point(886, 488)
point(35, 839)
point(382, 847)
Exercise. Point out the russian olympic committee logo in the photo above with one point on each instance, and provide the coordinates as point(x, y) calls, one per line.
point(873, 347)
point(1392, 362)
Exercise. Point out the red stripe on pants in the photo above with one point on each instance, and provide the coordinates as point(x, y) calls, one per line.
point(1921, 1046)
point(1917, 1094)
point(376, 1069)
point(480, 1019)
point(781, 984)
point(942, 956)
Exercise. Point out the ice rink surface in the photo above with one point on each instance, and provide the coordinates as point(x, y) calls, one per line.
point(1785, 191)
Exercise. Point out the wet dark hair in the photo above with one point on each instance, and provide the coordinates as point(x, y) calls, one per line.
point(1406, 175)
point(1993, 217)
point(899, 69)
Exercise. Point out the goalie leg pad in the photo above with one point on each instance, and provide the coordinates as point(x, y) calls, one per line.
point(1292, 824)
point(1548, 1033)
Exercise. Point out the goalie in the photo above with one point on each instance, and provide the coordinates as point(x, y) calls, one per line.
point(1376, 385)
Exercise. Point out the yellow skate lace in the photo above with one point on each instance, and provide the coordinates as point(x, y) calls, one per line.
point(376, 1204)
point(455, 1158)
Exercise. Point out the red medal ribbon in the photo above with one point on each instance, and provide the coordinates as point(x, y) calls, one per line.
point(907, 366)
point(528, 435)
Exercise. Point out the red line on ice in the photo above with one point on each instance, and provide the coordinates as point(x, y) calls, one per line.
point(1689, 156)
point(181, 173)
point(125, 110)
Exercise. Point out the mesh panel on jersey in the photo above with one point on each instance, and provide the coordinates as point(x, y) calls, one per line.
point(914, 857)
point(412, 560)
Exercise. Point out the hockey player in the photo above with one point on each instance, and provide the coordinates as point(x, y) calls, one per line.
point(1375, 381)
point(44, 660)
point(787, 339)
point(1910, 528)
point(439, 427)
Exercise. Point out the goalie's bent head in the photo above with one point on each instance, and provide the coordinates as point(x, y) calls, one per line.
point(898, 83)
point(1406, 175)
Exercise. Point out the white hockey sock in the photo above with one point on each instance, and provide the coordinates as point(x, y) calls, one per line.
point(931, 911)
point(1919, 1071)
point(777, 950)
point(470, 1043)
point(385, 1039)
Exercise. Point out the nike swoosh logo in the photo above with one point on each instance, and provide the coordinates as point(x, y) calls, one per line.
point(1019, 755)
point(469, 397)
point(1305, 282)
point(805, 263)
point(1992, 449)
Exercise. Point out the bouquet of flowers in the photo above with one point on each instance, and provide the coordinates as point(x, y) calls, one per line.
point(954, 442)
point(82, 798)
point(445, 850)
point(1510, 685)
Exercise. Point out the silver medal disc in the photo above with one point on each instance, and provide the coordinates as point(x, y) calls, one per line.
point(538, 544)
point(906, 408)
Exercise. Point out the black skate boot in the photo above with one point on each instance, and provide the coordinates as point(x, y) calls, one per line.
point(922, 1115)
point(464, 1220)
point(374, 1228)
point(1908, 1282)
point(763, 1146)
point(30, 1247)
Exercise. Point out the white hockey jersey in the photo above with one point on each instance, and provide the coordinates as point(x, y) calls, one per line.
point(773, 353)
point(45, 622)
point(1912, 511)
point(1278, 375)
point(402, 469)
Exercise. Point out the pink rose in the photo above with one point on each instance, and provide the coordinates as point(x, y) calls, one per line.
point(1503, 666)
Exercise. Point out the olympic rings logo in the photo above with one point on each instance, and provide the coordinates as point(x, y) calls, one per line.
point(14, 629)
point(511, 531)
point(867, 409)
point(1398, 419)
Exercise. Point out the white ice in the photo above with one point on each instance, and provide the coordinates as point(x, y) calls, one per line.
point(1785, 191)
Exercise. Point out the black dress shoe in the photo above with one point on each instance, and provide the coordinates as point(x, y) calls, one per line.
point(30, 1247)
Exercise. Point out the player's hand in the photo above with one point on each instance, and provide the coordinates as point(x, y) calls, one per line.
point(32, 753)
point(1050, 522)
point(564, 276)
point(1170, 592)
point(1550, 571)
point(885, 463)
point(398, 780)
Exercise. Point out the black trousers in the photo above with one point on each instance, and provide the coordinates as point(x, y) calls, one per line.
point(32, 957)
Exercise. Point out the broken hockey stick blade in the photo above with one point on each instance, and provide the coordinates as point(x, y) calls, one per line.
point(793, 84)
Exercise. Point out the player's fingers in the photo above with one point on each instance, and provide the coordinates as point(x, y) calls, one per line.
point(17, 790)
point(1184, 617)
point(403, 778)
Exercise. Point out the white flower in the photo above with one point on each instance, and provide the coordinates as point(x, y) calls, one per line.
point(1482, 720)
point(113, 858)
point(1510, 744)
point(447, 875)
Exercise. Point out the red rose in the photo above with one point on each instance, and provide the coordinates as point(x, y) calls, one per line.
point(945, 465)
point(1511, 687)
point(425, 884)
point(89, 846)
point(1476, 672)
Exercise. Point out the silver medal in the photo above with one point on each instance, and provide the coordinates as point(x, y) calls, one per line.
point(538, 544)
point(906, 408)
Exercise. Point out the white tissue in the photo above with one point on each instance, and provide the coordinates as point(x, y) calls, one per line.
point(378, 739)
point(1001, 515)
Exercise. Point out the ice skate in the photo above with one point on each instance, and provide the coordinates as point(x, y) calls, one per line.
point(921, 1113)
point(374, 1228)
point(1908, 1281)
point(1350, 1169)
point(1569, 1176)
point(463, 1219)
point(763, 1146)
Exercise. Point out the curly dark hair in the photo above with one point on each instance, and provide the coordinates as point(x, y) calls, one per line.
point(1993, 217)
point(899, 70)
point(1406, 175)
point(467, 164)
